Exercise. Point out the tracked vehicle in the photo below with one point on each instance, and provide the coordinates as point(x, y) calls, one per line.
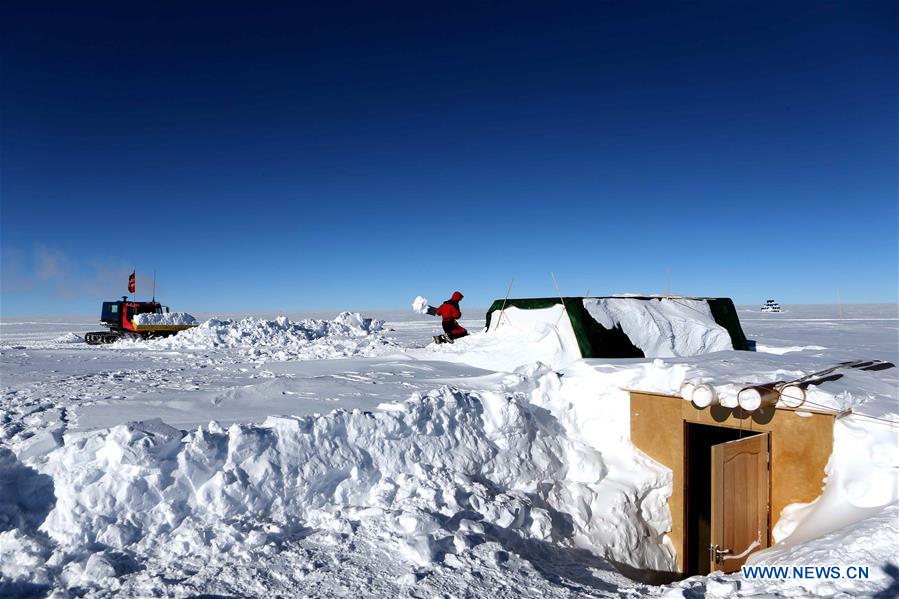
point(119, 318)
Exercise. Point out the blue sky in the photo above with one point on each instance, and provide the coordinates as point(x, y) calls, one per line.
point(291, 156)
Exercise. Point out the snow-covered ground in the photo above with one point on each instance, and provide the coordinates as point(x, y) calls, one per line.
point(323, 456)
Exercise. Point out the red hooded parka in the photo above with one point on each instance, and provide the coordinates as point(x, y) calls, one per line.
point(449, 311)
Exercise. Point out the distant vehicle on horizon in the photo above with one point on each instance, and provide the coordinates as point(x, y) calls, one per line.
point(771, 306)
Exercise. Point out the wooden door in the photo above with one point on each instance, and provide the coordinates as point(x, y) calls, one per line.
point(739, 501)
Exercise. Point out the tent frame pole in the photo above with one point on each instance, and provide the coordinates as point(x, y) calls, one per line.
point(503, 309)
point(562, 299)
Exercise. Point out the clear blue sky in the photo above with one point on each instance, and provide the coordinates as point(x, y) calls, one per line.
point(287, 156)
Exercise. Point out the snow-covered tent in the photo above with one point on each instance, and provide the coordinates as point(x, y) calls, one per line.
point(626, 326)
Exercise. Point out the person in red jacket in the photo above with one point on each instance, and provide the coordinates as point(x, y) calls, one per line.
point(449, 311)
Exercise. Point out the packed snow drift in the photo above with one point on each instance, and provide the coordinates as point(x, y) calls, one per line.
point(662, 328)
point(438, 476)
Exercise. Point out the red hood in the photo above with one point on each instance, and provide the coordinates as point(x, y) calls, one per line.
point(456, 296)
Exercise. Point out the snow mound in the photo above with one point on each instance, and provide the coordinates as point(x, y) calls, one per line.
point(69, 338)
point(169, 318)
point(348, 334)
point(517, 338)
point(420, 305)
point(662, 328)
point(443, 474)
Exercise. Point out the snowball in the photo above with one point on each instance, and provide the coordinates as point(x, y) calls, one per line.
point(420, 305)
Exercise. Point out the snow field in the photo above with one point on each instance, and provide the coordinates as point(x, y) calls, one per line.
point(490, 485)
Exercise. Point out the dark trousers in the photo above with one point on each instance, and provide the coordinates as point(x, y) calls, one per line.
point(453, 329)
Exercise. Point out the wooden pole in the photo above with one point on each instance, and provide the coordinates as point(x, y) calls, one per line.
point(503, 309)
point(564, 307)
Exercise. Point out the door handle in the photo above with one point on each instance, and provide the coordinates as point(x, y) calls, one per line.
point(715, 554)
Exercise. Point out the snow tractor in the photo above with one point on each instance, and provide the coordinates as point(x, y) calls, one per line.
point(120, 318)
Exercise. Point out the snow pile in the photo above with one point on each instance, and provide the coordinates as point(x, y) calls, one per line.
point(662, 328)
point(168, 319)
point(439, 476)
point(420, 305)
point(349, 334)
point(69, 338)
point(516, 338)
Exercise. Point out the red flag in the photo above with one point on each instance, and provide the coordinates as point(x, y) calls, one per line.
point(131, 282)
